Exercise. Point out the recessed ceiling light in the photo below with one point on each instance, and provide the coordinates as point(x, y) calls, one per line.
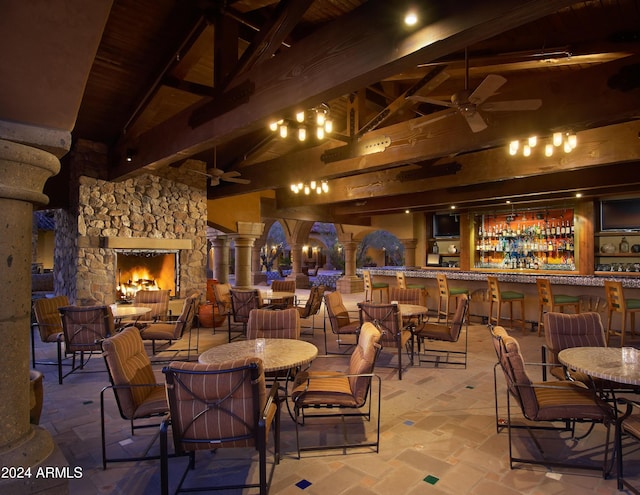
point(453, 207)
point(578, 195)
point(411, 18)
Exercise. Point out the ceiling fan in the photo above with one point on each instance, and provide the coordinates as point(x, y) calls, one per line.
point(468, 104)
point(215, 174)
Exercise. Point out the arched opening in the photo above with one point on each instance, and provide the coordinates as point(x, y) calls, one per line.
point(380, 248)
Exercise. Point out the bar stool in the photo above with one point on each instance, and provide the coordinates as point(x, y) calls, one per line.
point(370, 287)
point(618, 304)
point(498, 297)
point(401, 282)
point(445, 294)
point(555, 302)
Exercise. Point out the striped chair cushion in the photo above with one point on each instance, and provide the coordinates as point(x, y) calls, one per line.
point(47, 314)
point(265, 323)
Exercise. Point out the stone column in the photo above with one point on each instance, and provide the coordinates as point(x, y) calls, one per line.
point(350, 283)
point(221, 259)
point(257, 275)
point(23, 172)
point(243, 261)
point(302, 280)
point(409, 251)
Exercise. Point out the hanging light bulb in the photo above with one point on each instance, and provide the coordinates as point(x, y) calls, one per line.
point(300, 116)
point(526, 150)
point(319, 190)
point(312, 184)
point(294, 188)
point(284, 130)
point(320, 132)
point(533, 140)
point(557, 139)
point(320, 117)
point(325, 186)
point(572, 139)
point(567, 147)
point(548, 150)
point(306, 189)
point(328, 126)
point(273, 125)
point(513, 147)
point(302, 133)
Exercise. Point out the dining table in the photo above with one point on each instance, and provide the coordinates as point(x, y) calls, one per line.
point(125, 311)
point(606, 363)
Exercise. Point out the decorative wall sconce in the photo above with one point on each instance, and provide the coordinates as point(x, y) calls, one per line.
point(314, 122)
point(318, 187)
point(568, 141)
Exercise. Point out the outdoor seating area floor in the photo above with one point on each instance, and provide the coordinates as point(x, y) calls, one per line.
point(438, 435)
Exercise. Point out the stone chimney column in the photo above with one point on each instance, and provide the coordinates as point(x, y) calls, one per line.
point(23, 173)
point(221, 258)
point(243, 261)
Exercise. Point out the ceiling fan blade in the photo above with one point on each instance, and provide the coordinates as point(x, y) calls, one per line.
point(432, 101)
point(237, 181)
point(512, 105)
point(231, 173)
point(215, 171)
point(214, 181)
point(487, 88)
point(476, 122)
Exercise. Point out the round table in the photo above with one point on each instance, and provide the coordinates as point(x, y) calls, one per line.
point(124, 311)
point(412, 309)
point(279, 354)
point(601, 362)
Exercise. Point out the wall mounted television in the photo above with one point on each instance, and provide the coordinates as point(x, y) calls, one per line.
point(620, 214)
point(446, 225)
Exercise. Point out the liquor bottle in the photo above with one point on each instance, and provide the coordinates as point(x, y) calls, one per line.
point(548, 230)
point(563, 229)
point(558, 229)
point(572, 228)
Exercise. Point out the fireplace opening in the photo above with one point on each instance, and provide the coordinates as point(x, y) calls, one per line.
point(146, 270)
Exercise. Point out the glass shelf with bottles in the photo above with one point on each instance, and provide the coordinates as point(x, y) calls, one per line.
point(542, 240)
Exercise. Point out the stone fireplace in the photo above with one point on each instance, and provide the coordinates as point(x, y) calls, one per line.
point(146, 270)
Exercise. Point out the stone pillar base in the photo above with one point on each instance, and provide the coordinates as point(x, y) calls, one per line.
point(302, 280)
point(50, 471)
point(350, 285)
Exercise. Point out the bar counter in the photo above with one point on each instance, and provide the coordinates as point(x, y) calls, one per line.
point(590, 288)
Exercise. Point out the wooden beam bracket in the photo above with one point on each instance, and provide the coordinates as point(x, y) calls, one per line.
point(360, 148)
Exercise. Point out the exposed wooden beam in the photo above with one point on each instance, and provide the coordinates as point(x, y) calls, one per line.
point(354, 51)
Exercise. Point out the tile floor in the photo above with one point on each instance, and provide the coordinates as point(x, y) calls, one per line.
point(438, 436)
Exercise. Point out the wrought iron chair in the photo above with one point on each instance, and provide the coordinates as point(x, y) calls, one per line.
point(283, 286)
point(219, 406)
point(270, 324)
point(46, 312)
point(156, 300)
point(175, 329)
point(137, 393)
point(387, 318)
point(242, 302)
point(547, 402)
point(445, 333)
point(312, 306)
point(335, 392)
point(627, 425)
point(339, 319)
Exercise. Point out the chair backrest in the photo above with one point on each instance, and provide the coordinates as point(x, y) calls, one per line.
point(215, 405)
point(385, 317)
point(242, 302)
point(85, 326)
point(513, 365)
point(338, 314)
point(314, 302)
point(366, 275)
point(573, 330)
point(494, 288)
point(545, 296)
point(405, 296)
point(269, 324)
point(459, 317)
point(401, 281)
point(615, 296)
point(128, 364)
point(283, 286)
point(187, 316)
point(223, 298)
point(156, 300)
point(363, 360)
point(47, 315)
point(443, 285)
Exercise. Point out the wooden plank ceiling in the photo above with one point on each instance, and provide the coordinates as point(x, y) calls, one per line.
point(175, 79)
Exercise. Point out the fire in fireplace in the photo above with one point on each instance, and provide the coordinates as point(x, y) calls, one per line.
point(146, 270)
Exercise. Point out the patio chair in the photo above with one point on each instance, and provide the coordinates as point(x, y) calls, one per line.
point(312, 306)
point(370, 287)
point(137, 393)
point(283, 286)
point(339, 319)
point(219, 406)
point(83, 327)
point(341, 394)
point(566, 402)
point(499, 297)
point(270, 324)
point(174, 329)
point(156, 300)
point(242, 302)
point(617, 303)
point(46, 313)
point(627, 425)
point(547, 299)
point(445, 293)
point(437, 332)
point(395, 335)
point(223, 302)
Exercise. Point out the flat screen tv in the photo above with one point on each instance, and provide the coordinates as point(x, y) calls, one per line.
point(620, 214)
point(446, 225)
